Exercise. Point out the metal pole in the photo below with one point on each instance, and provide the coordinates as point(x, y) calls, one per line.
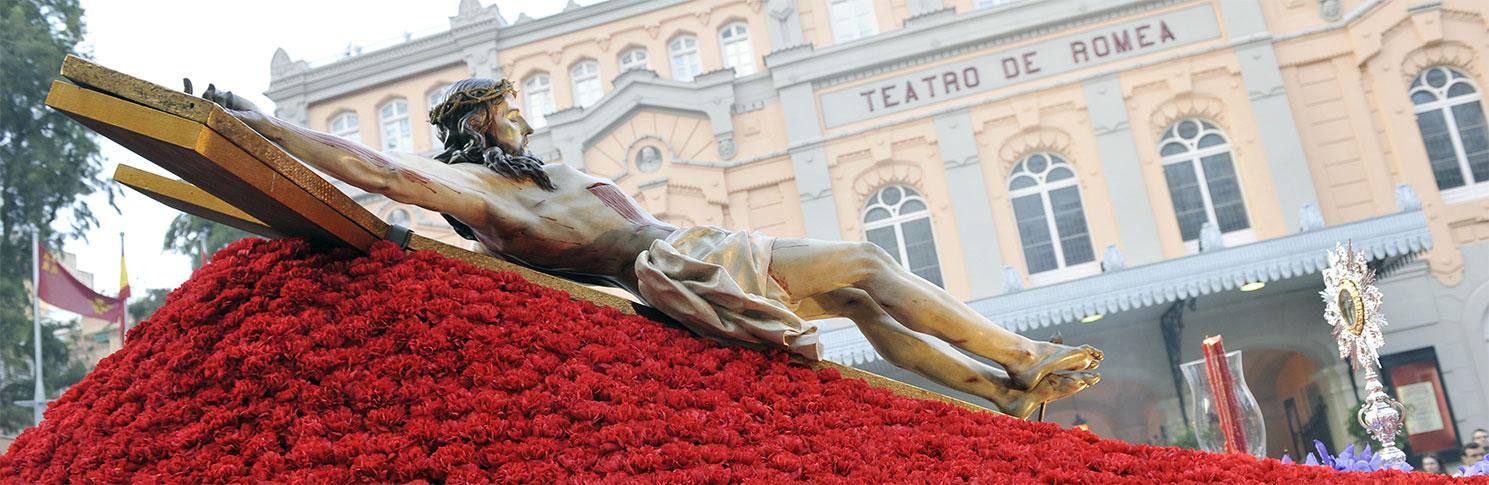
point(124, 312)
point(40, 393)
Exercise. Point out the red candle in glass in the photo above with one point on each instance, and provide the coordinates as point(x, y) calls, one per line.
point(1222, 387)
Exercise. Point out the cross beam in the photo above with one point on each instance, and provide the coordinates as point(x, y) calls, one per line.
point(233, 175)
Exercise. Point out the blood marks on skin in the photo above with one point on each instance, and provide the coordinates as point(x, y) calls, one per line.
point(362, 152)
point(555, 222)
point(617, 201)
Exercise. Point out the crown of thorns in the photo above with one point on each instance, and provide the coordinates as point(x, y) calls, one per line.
point(470, 97)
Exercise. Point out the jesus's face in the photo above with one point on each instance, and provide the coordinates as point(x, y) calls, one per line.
point(507, 128)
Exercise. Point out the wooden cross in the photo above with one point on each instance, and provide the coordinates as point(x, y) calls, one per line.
point(232, 175)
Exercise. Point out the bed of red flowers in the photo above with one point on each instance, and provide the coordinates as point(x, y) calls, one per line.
point(279, 361)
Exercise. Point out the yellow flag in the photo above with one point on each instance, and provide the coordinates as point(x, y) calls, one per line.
point(123, 271)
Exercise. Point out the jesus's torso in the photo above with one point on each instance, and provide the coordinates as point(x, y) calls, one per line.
point(585, 227)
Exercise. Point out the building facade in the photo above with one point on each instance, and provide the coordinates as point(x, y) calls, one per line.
point(1135, 174)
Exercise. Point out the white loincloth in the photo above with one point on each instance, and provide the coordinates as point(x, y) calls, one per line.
point(718, 284)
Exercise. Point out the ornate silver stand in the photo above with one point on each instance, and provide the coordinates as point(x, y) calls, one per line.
point(1381, 416)
point(1352, 307)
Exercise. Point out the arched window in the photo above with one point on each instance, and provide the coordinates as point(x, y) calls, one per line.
point(685, 62)
point(734, 39)
point(1202, 179)
point(1050, 216)
point(634, 58)
point(397, 130)
point(851, 19)
point(896, 219)
point(585, 79)
point(539, 92)
point(1453, 129)
point(436, 97)
point(346, 125)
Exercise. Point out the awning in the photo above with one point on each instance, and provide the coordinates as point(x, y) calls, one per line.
point(1401, 234)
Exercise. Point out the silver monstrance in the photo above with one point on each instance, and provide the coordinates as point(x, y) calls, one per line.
point(1352, 307)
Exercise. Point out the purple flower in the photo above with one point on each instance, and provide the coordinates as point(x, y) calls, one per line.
point(1349, 460)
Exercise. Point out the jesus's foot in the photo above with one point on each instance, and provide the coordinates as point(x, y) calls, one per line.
point(1057, 385)
point(1048, 358)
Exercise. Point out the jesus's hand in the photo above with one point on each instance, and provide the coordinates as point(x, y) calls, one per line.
point(228, 100)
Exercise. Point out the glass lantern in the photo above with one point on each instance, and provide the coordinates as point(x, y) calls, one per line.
point(1204, 413)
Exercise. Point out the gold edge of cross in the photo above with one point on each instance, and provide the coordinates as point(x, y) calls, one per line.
point(222, 162)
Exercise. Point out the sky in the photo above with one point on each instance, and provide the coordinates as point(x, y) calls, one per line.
point(229, 44)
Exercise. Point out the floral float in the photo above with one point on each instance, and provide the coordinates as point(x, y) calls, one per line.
point(280, 361)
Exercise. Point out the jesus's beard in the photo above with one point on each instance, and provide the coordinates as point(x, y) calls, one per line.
point(520, 166)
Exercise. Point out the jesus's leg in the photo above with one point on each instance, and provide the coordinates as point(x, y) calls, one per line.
point(807, 268)
point(934, 359)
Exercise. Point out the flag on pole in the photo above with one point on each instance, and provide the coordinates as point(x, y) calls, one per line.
point(58, 287)
point(123, 292)
point(38, 401)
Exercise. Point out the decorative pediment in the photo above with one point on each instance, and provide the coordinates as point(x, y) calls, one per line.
point(1443, 54)
point(886, 174)
point(1037, 139)
point(1190, 106)
point(708, 100)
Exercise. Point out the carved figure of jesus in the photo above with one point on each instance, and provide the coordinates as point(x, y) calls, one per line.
point(734, 286)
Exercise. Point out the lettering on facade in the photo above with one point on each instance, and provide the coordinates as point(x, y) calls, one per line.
point(1140, 37)
point(945, 83)
point(1041, 59)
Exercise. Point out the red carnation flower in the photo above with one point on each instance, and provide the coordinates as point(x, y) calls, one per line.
point(282, 362)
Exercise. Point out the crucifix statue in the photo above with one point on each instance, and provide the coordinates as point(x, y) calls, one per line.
point(738, 286)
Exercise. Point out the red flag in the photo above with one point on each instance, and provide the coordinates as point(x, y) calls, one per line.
point(61, 289)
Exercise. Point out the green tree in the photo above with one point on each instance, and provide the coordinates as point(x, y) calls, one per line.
point(189, 234)
point(142, 307)
point(47, 164)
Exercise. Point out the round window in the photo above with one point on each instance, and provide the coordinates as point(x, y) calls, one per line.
point(398, 216)
point(648, 159)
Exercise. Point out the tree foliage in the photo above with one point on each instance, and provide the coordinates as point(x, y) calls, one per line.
point(143, 306)
point(59, 371)
point(47, 164)
point(189, 235)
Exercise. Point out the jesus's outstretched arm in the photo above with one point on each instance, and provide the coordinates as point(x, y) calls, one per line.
point(405, 178)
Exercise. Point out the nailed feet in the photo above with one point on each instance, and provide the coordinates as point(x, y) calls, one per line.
point(1049, 358)
point(1056, 385)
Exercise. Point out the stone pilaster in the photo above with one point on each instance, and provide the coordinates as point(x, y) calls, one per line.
point(475, 28)
point(293, 107)
point(1138, 231)
point(969, 202)
point(813, 182)
point(1278, 131)
point(783, 24)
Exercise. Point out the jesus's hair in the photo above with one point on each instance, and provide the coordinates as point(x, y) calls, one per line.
point(461, 120)
point(462, 129)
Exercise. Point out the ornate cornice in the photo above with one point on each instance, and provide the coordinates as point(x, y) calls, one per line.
point(949, 36)
point(348, 75)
